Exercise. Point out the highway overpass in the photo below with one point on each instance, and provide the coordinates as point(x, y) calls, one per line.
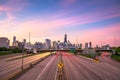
point(77, 50)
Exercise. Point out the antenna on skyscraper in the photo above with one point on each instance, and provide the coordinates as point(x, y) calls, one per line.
point(76, 41)
point(29, 37)
point(114, 39)
point(29, 43)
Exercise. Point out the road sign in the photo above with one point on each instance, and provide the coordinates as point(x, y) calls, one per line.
point(60, 65)
point(72, 50)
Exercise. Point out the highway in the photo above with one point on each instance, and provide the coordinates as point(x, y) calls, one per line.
point(106, 58)
point(75, 68)
point(79, 68)
point(10, 68)
point(45, 70)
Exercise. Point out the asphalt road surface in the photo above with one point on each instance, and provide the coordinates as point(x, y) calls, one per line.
point(75, 68)
point(78, 68)
point(45, 70)
point(9, 68)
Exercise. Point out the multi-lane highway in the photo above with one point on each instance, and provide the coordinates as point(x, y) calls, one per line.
point(45, 70)
point(79, 68)
point(10, 68)
point(75, 68)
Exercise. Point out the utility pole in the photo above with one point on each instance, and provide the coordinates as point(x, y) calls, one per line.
point(115, 40)
point(29, 43)
point(29, 36)
point(22, 55)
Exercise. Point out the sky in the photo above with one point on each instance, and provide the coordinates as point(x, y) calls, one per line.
point(96, 21)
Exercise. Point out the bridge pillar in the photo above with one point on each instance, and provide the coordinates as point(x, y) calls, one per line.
point(89, 51)
point(113, 51)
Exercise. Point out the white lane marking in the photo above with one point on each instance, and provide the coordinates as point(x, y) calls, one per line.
point(56, 74)
point(44, 69)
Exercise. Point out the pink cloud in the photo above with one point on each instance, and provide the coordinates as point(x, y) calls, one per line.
point(90, 18)
point(80, 20)
point(100, 36)
point(40, 28)
point(43, 28)
point(56, 21)
point(12, 6)
point(85, 18)
point(15, 5)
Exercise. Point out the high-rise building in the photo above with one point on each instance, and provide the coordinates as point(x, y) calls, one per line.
point(48, 43)
point(58, 44)
point(80, 46)
point(24, 40)
point(107, 46)
point(97, 47)
point(38, 45)
point(90, 44)
point(4, 42)
point(55, 45)
point(14, 43)
point(86, 45)
point(28, 46)
point(14, 38)
point(65, 38)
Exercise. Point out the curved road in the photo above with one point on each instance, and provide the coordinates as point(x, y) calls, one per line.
point(84, 69)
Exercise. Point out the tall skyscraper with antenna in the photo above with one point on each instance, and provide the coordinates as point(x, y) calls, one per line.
point(115, 40)
point(29, 47)
point(14, 39)
point(65, 38)
point(29, 37)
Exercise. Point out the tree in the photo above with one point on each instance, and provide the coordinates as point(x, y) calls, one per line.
point(3, 49)
point(16, 50)
point(117, 50)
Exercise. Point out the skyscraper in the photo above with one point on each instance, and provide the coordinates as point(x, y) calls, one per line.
point(54, 45)
point(81, 46)
point(90, 44)
point(24, 40)
point(86, 45)
point(48, 43)
point(14, 39)
point(65, 38)
point(4, 42)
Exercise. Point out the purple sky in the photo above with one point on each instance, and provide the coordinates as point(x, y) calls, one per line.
point(83, 21)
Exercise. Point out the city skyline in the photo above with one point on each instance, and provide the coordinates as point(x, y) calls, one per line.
point(83, 21)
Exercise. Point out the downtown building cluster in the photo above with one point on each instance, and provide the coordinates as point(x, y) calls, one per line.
point(48, 44)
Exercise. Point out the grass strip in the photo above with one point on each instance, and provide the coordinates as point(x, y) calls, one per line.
point(116, 57)
point(5, 53)
point(87, 55)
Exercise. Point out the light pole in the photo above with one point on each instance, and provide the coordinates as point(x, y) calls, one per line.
point(22, 55)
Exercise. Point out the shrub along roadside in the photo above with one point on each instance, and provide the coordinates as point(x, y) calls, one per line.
point(5, 51)
point(116, 57)
point(87, 55)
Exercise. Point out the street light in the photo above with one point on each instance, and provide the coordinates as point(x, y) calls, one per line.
point(22, 55)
